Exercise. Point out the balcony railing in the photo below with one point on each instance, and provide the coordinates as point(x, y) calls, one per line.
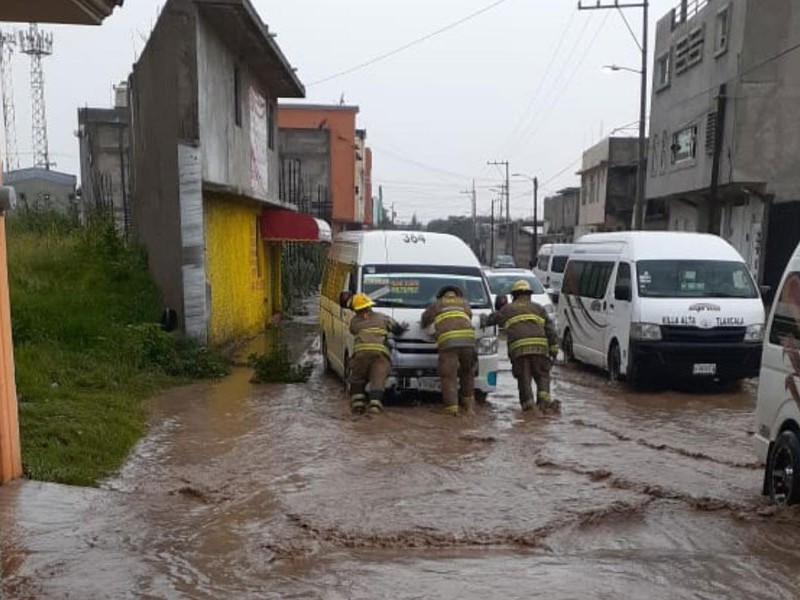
point(687, 10)
point(309, 197)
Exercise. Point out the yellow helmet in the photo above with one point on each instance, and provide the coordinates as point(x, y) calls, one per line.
point(521, 287)
point(362, 302)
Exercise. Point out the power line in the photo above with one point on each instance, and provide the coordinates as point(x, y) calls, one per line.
point(411, 44)
point(422, 165)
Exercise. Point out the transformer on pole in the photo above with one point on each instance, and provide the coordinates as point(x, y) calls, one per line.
point(37, 44)
point(7, 43)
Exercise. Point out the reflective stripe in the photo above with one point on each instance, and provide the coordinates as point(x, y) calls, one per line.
point(370, 348)
point(375, 330)
point(554, 347)
point(455, 334)
point(521, 318)
point(543, 395)
point(451, 314)
point(527, 342)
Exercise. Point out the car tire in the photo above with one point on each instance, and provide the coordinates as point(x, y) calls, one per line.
point(481, 397)
point(326, 362)
point(614, 362)
point(783, 470)
point(567, 347)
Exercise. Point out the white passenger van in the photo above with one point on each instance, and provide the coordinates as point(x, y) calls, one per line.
point(551, 261)
point(777, 436)
point(680, 305)
point(402, 271)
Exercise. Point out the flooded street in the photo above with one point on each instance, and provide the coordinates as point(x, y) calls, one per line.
point(244, 491)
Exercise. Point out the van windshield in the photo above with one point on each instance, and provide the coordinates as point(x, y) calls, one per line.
point(694, 279)
point(407, 286)
point(559, 262)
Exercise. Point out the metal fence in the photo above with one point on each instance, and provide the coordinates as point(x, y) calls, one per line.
point(686, 10)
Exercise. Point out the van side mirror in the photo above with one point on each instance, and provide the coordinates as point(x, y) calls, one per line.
point(500, 301)
point(623, 292)
point(344, 299)
point(766, 292)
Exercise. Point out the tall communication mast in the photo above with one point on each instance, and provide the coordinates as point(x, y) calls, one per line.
point(7, 43)
point(37, 44)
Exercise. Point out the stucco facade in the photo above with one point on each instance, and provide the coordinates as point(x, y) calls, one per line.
point(206, 163)
point(725, 126)
point(350, 158)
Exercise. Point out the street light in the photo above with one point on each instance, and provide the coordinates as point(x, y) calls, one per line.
point(535, 238)
point(621, 68)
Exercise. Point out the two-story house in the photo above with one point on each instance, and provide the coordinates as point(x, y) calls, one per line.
point(206, 202)
point(725, 127)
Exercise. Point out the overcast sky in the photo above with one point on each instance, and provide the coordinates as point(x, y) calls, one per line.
point(522, 82)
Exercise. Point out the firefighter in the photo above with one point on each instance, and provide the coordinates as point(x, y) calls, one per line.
point(532, 345)
point(371, 361)
point(451, 317)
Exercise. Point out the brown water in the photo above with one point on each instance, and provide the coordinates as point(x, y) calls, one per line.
point(245, 491)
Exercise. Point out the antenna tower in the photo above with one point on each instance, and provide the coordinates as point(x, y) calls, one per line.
point(7, 43)
point(37, 44)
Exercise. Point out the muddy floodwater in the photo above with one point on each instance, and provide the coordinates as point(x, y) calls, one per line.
point(243, 491)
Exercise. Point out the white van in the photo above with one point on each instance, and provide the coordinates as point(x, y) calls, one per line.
point(551, 261)
point(777, 436)
point(402, 271)
point(680, 305)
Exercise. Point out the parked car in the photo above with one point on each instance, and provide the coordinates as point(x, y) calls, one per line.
point(551, 261)
point(504, 261)
point(777, 430)
point(501, 280)
point(661, 303)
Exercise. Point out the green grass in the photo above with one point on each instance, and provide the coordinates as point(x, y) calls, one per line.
point(88, 349)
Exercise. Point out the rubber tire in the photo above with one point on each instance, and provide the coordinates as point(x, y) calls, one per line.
point(567, 347)
point(326, 363)
point(614, 362)
point(480, 397)
point(787, 442)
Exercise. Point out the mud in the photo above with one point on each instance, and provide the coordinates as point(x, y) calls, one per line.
point(243, 491)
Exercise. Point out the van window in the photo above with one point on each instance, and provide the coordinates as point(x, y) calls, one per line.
point(594, 279)
point(559, 262)
point(622, 289)
point(572, 277)
point(786, 322)
point(694, 279)
point(543, 260)
point(415, 286)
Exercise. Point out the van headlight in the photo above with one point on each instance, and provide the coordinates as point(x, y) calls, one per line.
point(487, 345)
point(754, 333)
point(645, 332)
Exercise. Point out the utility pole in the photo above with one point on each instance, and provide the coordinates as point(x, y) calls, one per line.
point(471, 193)
point(7, 43)
point(639, 205)
point(535, 219)
point(491, 237)
point(504, 163)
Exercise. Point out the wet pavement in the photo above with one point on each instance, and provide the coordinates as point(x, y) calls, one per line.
point(243, 491)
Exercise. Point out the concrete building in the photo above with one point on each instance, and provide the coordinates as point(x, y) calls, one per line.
point(725, 126)
point(561, 215)
point(206, 184)
point(608, 186)
point(306, 170)
point(349, 164)
point(105, 151)
point(89, 12)
point(41, 189)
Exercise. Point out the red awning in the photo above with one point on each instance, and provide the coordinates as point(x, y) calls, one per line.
point(288, 226)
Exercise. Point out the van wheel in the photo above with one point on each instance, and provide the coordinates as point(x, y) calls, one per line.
point(326, 362)
point(566, 346)
point(481, 396)
point(614, 362)
point(783, 470)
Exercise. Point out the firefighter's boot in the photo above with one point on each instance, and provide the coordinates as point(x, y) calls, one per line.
point(451, 410)
point(358, 404)
point(375, 402)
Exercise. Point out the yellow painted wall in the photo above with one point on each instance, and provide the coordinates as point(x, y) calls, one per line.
point(238, 269)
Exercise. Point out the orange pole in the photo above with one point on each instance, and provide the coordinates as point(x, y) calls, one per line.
point(10, 457)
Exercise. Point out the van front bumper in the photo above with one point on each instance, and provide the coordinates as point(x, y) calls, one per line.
point(733, 361)
point(425, 375)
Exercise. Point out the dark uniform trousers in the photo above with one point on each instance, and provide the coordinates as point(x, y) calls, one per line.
point(457, 373)
point(536, 367)
point(369, 366)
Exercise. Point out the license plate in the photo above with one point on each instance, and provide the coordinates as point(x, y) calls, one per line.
point(429, 384)
point(705, 369)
